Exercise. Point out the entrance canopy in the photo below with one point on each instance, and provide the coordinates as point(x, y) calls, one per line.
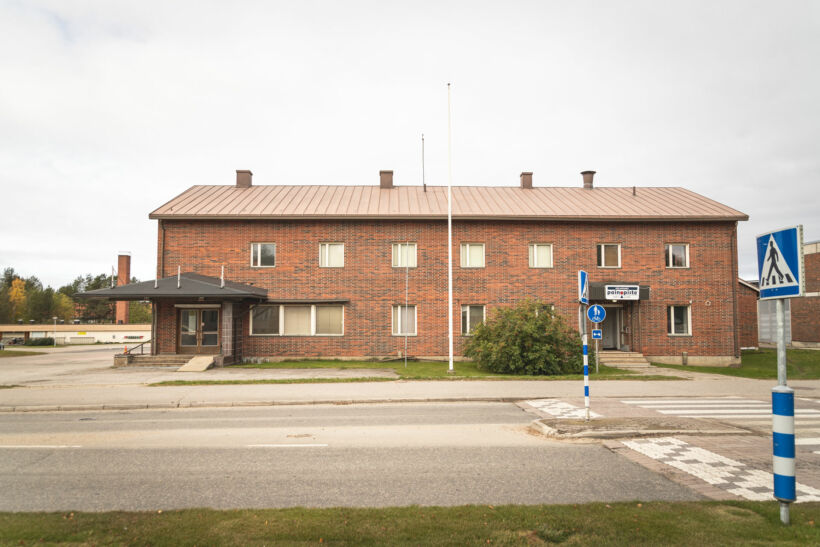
point(187, 285)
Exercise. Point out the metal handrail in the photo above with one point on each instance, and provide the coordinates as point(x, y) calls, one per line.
point(141, 347)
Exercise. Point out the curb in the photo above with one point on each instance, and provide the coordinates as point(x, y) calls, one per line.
point(230, 404)
point(538, 426)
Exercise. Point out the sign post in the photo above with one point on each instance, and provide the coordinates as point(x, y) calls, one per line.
point(583, 301)
point(596, 314)
point(780, 271)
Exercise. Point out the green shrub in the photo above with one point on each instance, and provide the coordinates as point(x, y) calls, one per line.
point(529, 338)
point(39, 342)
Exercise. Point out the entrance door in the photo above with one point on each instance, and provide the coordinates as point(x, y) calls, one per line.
point(199, 331)
point(610, 329)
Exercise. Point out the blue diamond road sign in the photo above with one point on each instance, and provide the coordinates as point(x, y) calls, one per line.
point(596, 313)
point(780, 263)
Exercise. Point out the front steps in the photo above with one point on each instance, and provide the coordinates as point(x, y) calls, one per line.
point(129, 360)
point(623, 359)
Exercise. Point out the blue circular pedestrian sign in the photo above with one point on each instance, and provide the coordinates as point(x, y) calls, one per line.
point(596, 313)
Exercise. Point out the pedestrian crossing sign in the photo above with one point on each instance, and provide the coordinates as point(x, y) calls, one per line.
point(780, 263)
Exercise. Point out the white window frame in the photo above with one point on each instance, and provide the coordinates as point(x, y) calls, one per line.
point(412, 258)
point(532, 253)
point(324, 249)
point(670, 325)
point(667, 252)
point(469, 326)
point(467, 246)
point(312, 320)
point(603, 254)
point(415, 320)
point(259, 255)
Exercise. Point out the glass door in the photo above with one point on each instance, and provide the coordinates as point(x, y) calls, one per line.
point(199, 331)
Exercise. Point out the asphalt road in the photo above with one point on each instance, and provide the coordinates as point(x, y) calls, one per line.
point(318, 456)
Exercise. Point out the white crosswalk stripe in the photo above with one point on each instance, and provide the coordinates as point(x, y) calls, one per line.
point(746, 412)
point(560, 409)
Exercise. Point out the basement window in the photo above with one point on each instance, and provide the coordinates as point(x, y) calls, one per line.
point(263, 255)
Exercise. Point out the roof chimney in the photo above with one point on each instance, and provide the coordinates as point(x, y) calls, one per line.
point(386, 179)
point(588, 178)
point(526, 179)
point(123, 278)
point(243, 178)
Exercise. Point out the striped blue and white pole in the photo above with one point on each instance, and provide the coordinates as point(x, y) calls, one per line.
point(586, 372)
point(783, 443)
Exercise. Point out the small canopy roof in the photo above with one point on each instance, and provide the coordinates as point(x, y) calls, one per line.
point(187, 285)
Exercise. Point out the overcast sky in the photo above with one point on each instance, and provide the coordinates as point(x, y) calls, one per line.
point(109, 109)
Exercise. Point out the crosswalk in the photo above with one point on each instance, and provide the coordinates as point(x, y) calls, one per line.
point(738, 410)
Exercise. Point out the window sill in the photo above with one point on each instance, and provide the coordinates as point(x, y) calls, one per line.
point(609, 267)
point(404, 267)
point(297, 335)
point(678, 268)
point(403, 335)
point(541, 267)
point(472, 267)
point(679, 335)
point(262, 267)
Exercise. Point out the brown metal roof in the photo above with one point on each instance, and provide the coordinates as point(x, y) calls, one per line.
point(469, 202)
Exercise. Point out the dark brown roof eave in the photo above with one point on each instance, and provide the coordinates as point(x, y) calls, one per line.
point(585, 218)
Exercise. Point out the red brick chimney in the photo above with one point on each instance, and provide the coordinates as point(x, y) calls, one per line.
point(386, 179)
point(123, 278)
point(526, 179)
point(243, 178)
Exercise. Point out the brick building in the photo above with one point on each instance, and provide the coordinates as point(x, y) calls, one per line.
point(248, 271)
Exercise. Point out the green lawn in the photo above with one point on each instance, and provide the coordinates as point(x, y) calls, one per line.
point(801, 364)
point(633, 523)
point(18, 353)
point(437, 370)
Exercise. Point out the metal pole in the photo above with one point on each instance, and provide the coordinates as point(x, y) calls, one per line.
point(406, 291)
point(783, 453)
point(583, 325)
point(449, 231)
point(55, 332)
point(596, 351)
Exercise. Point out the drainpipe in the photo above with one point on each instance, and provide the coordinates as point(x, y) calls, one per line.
point(162, 249)
point(735, 310)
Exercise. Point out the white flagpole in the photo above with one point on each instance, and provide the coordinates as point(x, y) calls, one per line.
point(449, 230)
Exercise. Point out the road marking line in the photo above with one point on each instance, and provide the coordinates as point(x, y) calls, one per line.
point(810, 440)
point(685, 401)
point(41, 446)
point(286, 445)
point(715, 406)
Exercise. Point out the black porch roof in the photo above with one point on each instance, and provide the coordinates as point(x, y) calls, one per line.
point(187, 285)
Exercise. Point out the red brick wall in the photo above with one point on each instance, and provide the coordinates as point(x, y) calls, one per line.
point(806, 310)
point(372, 285)
point(747, 319)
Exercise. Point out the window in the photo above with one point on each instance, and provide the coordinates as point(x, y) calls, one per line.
point(331, 255)
point(609, 255)
point(329, 319)
point(263, 255)
point(265, 320)
point(404, 255)
point(471, 317)
point(404, 320)
point(472, 255)
point(678, 320)
point(297, 320)
point(540, 255)
point(677, 255)
point(301, 320)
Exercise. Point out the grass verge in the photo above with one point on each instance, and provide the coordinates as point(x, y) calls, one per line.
point(16, 353)
point(655, 523)
point(437, 370)
point(801, 364)
point(269, 381)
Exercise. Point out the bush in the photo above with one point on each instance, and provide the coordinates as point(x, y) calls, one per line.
point(39, 342)
point(527, 339)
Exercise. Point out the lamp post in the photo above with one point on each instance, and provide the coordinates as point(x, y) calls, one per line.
point(55, 330)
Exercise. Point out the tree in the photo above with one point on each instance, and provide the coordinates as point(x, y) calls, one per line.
point(17, 298)
point(63, 307)
point(529, 338)
point(139, 312)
